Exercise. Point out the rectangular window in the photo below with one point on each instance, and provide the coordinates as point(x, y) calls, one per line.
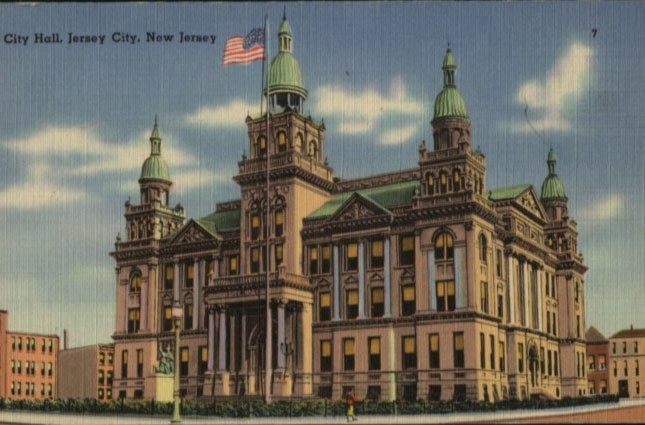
point(351, 256)
point(499, 263)
point(233, 265)
point(555, 363)
point(591, 362)
point(407, 251)
point(482, 350)
point(549, 363)
point(435, 359)
point(279, 222)
point(351, 300)
point(500, 305)
point(203, 359)
point(188, 316)
point(324, 306)
point(602, 362)
point(134, 319)
point(124, 364)
point(578, 329)
point(189, 275)
point(183, 361)
point(325, 356)
point(378, 302)
point(446, 295)
point(408, 305)
point(255, 259)
point(279, 255)
point(615, 369)
point(458, 349)
point(409, 352)
point(167, 318)
point(255, 226)
point(101, 358)
point(502, 358)
point(492, 351)
point(542, 360)
point(139, 363)
point(169, 281)
point(636, 347)
point(110, 376)
point(348, 354)
point(520, 357)
point(613, 348)
point(603, 386)
point(624, 342)
point(376, 258)
point(484, 296)
point(313, 260)
point(374, 361)
point(326, 259)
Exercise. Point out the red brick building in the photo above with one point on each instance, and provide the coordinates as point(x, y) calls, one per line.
point(597, 361)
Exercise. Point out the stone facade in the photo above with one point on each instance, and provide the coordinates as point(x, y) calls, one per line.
point(626, 348)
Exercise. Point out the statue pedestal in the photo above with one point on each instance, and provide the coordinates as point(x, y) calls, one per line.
point(282, 383)
point(222, 383)
point(159, 387)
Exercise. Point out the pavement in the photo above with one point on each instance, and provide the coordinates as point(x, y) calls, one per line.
point(40, 418)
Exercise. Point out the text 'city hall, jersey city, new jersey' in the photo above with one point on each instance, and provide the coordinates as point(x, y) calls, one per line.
point(116, 37)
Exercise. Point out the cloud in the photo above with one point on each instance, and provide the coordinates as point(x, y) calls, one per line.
point(605, 209)
point(230, 115)
point(549, 98)
point(364, 111)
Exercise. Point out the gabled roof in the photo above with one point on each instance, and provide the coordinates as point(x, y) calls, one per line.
point(629, 333)
point(593, 335)
point(385, 197)
point(192, 227)
point(523, 196)
point(212, 225)
point(504, 193)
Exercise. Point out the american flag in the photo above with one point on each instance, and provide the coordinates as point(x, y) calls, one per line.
point(245, 49)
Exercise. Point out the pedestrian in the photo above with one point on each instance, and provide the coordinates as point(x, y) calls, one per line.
point(351, 400)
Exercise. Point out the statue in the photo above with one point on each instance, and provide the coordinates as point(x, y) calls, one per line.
point(166, 362)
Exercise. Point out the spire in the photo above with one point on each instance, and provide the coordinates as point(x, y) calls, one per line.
point(449, 103)
point(552, 187)
point(449, 67)
point(155, 140)
point(284, 33)
point(155, 167)
point(551, 160)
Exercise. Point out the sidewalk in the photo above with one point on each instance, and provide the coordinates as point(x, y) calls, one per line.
point(37, 418)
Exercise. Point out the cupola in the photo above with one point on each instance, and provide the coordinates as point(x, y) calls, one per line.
point(449, 103)
point(552, 187)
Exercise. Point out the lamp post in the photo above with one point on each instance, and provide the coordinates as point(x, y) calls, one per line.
point(176, 315)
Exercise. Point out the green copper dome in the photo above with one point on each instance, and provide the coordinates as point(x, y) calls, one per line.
point(449, 102)
point(552, 187)
point(285, 75)
point(155, 167)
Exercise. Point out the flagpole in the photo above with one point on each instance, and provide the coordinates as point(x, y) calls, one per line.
point(268, 364)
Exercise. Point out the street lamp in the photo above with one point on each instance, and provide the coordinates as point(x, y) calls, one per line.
point(176, 316)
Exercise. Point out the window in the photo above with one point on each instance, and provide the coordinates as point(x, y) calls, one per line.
point(325, 356)
point(636, 347)
point(407, 251)
point(637, 369)
point(443, 247)
point(430, 181)
point(351, 252)
point(282, 142)
point(203, 359)
point(326, 259)
point(458, 348)
point(183, 361)
point(492, 351)
point(602, 362)
point(482, 350)
point(443, 182)
point(456, 180)
point(409, 352)
point(255, 259)
point(459, 393)
point(313, 260)
point(110, 358)
point(624, 342)
point(408, 306)
point(351, 304)
point(279, 255)
point(373, 392)
point(548, 322)
point(435, 359)
point(279, 222)
point(233, 262)
point(101, 393)
point(50, 346)
point(262, 146)
point(188, 316)
point(578, 329)
point(110, 376)
point(101, 358)
point(591, 362)
point(542, 360)
point(613, 348)
point(555, 363)
point(189, 275)
point(348, 354)
point(446, 295)
point(549, 363)
point(324, 306)
point(124, 364)
point(374, 361)
point(577, 292)
point(502, 358)
point(210, 269)
point(255, 226)
point(376, 257)
point(378, 302)
point(19, 343)
point(167, 318)
point(625, 370)
point(483, 249)
point(520, 357)
point(500, 305)
point(169, 281)
point(134, 320)
point(615, 369)
point(499, 263)
point(139, 363)
point(484, 297)
point(554, 323)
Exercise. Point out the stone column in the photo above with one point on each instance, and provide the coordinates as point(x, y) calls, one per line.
point(527, 295)
point(143, 304)
point(511, 288)
point(196, 284)
point(387, 280)
point(243, 341)
point(281, 336)
point(431, 282)
point(221, 364)
point(361, 280)
point(538, 280)
point(307, 349)
point(211, 339)
point(336, 284)
point(152, 299)
point(460, 283)
point(176, 283)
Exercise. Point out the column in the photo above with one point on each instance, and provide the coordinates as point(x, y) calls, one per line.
point(539, 296)
point(307, 348)
point(387, 290)
point(143, 301)
point(460, 282)
point(211, 339)
point(151, 299)
point(126, 291)
point(336, 285)
point(196, 283)
point(527, 294)
point(176, 283)
point(281, 341)
point(361, 280)
point(243, 341)
point(221, 364)
point(431, 283)
point(511, 288)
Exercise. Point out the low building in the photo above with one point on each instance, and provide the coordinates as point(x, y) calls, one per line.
point(87, 372)
point(28, 364)
point(597, 360)
point(627, 354)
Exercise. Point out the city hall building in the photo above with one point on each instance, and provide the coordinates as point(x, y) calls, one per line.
point(416, 284)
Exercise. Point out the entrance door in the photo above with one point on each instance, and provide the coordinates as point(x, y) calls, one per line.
point(623, 388)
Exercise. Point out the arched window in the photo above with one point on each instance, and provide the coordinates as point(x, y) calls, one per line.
point(282, 142)
point(261, 148)
point(456, 180)
point(430, 181)
point(299, 144)
point(135, 281)
point(313, 149)
point(443, 182)
point(483, 249)
point(443, 247)
point(279, 221)
point(256, 224)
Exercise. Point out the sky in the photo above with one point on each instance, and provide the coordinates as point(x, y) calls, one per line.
point(75, 119)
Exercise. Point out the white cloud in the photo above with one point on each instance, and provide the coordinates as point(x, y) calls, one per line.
point(605, 209)
point(564, 82)
point(363, 111)
point(230, 115)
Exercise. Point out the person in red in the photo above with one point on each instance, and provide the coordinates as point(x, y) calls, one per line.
point(351, 400)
